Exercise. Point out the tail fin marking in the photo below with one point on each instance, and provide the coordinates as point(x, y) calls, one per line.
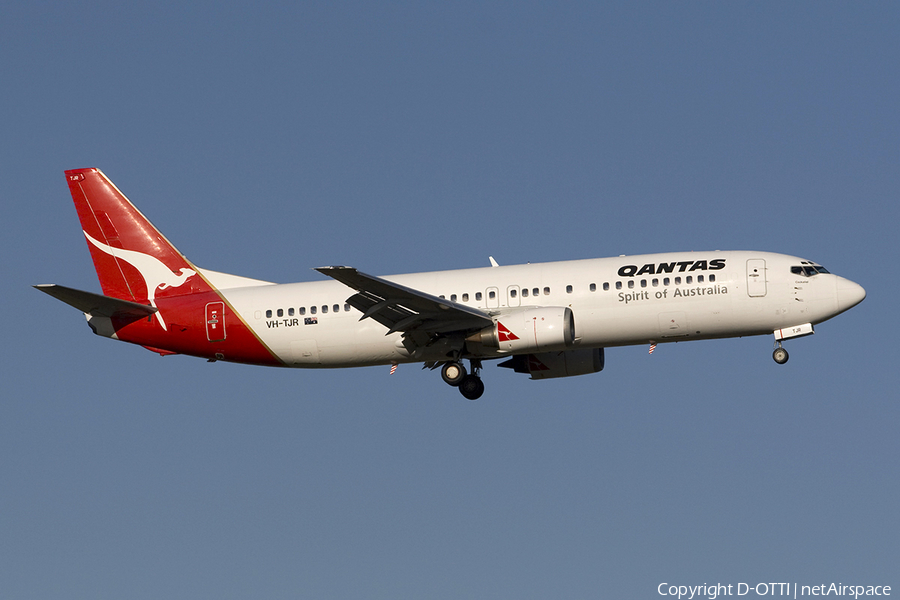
point(134, 245)
point(155, 273)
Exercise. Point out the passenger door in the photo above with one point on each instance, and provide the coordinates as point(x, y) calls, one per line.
point(756, 277)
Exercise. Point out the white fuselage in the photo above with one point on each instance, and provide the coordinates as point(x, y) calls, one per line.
point(620, 301)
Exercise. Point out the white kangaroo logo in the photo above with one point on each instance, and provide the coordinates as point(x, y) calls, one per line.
point(155, 273)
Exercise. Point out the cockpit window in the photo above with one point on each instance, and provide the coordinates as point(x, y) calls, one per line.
point(808, 270)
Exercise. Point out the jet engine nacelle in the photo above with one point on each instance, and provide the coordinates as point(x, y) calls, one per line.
point(568, 363)
point(538, 328)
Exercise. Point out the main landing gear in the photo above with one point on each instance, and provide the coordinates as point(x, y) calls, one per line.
point(469, 384)
point(780, 354)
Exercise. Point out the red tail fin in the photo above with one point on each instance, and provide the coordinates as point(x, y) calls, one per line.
point(134, 261)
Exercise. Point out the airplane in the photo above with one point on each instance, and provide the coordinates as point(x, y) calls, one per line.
point(546, 320)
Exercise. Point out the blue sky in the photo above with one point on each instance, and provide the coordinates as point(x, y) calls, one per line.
point(265, 140)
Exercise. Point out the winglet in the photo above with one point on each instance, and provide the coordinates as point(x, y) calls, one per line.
point(493, 262)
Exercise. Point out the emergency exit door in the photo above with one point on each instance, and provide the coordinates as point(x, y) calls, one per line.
point(215, 321)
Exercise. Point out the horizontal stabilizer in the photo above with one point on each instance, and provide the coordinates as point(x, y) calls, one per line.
point(97, 304)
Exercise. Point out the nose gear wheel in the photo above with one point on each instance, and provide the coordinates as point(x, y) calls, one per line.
point(780, 354)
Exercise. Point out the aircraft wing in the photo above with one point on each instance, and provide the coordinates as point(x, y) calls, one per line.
point(400, 308)
point(97, 304)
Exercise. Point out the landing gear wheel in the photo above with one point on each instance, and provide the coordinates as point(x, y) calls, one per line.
point(471, 387)
point(780, 355)
point(453, 373)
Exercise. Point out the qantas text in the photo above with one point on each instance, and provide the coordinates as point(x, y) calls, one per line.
point(682, 266)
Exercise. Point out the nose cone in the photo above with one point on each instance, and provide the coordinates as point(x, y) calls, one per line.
point(849, 294)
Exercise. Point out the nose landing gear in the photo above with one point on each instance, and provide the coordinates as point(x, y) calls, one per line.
point(469, 384)
point(780, 354)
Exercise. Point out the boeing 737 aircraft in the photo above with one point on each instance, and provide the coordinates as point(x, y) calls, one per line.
point(547, 320)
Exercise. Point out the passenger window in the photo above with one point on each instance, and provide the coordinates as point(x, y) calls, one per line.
point(618, 285)
point(512, 293)
point(324, 309)
point(631, 284)
point(606, 286)
point(290, 312)
point(524, 292)
point(678, 281)
point(452, 297)
point(546, 291)
point(656, 283)
point(268, 314)
point(336, 308)
point(312, 310)
point(492, 295)
point(536, 292)
point(689, 279)
point(478, 296)
point(593, 287)
point(643, 283)
point(302, 310)
point(568, 289)
point(280, 312)
point(465, 297)
point(665, 281)
point(346, 308)
point(699, 278)
point(712, 278)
